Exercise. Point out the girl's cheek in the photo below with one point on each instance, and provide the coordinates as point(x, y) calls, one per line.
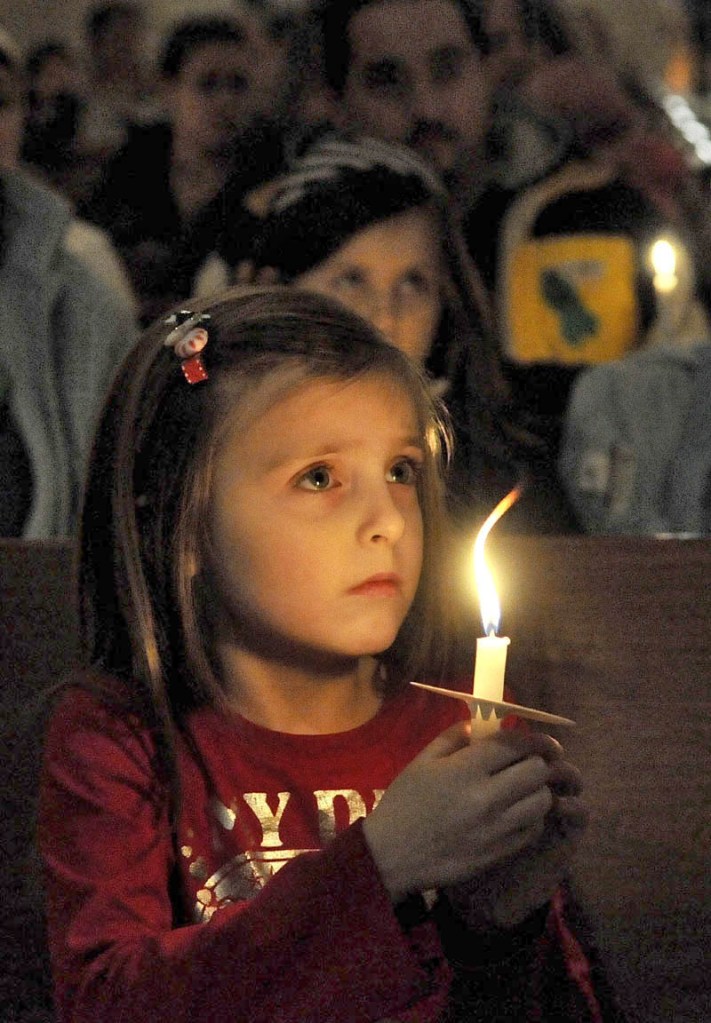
point(314, 506)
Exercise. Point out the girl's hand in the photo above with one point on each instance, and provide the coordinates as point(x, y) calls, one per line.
point(460, 808)
point(506, 894)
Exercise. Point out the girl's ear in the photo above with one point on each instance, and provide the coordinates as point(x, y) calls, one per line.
point(193, 566)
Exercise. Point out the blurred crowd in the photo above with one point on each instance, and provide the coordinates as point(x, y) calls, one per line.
point(505, 187)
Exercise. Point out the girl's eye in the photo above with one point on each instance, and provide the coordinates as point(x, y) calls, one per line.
point(406, 472)
point(318, 478)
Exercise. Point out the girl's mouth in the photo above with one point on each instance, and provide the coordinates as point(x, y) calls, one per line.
point(384, 584)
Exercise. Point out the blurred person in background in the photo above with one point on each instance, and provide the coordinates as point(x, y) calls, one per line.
point(582, 80)
point(271, 29)
point(636, 449)
point(55, 99)
point(165, 195)
point(66, 325)
point(371, 225)
point(230, 89)
point(120, 88)
point(500, 92)
point(84, 240)
point(633, 456)
point(563, 241)
point(412, 72)
point(591, 91)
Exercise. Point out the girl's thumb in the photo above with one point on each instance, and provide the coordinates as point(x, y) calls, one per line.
point(454, 738)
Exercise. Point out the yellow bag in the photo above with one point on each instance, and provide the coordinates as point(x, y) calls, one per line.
point(569, 299)
point(572, 300)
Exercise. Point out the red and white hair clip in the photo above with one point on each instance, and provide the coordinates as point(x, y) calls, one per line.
point(187, 339)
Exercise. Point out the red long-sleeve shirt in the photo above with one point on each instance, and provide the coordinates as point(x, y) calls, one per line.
point(268, 907)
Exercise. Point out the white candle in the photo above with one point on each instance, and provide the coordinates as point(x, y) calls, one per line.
point(489, 672)
point(491, 650)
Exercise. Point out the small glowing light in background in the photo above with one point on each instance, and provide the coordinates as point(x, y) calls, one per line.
point(663, 257)
point(690, 127)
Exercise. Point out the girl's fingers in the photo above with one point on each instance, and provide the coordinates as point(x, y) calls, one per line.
point(569, 814)
point(532, 744)
point(517, 782)
point(510, 845)
point(527, 814)
point(506, 748)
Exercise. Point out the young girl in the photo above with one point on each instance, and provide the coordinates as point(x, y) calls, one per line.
point(246, 811)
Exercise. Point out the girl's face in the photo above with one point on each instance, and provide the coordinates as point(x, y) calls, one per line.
point(390, 273)
point(315, 525)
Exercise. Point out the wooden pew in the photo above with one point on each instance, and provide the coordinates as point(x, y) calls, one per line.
point(38, 640)
point(616, 634)
point(611, 632)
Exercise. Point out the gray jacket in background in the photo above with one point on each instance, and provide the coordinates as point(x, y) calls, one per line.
point(63, 332)
point(636, 447)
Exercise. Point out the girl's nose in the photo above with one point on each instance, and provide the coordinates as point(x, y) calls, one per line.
point(381, 518)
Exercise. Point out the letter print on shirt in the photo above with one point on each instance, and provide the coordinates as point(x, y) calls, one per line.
point(252, 824)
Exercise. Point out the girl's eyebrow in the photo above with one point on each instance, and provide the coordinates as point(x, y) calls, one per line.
point(329, 450)
point(414, 442)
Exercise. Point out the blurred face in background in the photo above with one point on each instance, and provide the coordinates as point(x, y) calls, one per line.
point(391, 274)
point(269, 44)
point(117, 53)
point(214, 96)
point(57, 76)
point(415, 78)
point(509, 50)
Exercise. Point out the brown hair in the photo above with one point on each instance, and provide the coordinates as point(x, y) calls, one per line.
point(147, 498)
point(345, 183)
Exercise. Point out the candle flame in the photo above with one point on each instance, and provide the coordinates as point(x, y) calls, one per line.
point(488, 597)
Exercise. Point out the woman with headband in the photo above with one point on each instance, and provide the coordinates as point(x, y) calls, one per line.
point(369, 224)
